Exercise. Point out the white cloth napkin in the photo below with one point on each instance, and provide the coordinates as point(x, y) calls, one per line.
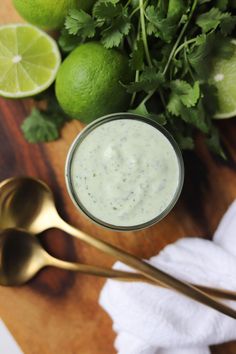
point(8, 344)
point(153, 320)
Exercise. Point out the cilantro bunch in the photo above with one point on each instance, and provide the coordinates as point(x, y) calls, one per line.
point(171, 46)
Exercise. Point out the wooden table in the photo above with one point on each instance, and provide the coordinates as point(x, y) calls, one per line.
point(58, 311)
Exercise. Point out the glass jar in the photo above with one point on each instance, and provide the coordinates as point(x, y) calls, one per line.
point(74, 186)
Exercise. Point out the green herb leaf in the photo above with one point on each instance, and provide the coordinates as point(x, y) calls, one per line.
point(195, 116)
point(68, 42)
point(137, 56)
point(222, 4)
point(214, 144)
point(174, 105)
point(142, 111)
point(188, 95)
point(44, 125)
point(176, 9)
point(160, 27)
point(182, 93)
point(228, 25)
point(107, 9)
point(186, 142)
point(205, 49)
point(113, 35)
point(212, 19)
point(39, 128)
point(159, 118)
point(210, 98)
point(78, 22)
point(150, 80)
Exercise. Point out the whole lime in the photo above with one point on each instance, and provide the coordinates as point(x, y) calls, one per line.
point(48, 14)
point(89, 82)
point(223, 76)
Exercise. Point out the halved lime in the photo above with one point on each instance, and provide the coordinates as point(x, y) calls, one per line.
point(29, 60)
point(223, 76)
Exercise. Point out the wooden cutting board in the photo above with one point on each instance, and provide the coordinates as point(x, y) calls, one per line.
point(58, 312)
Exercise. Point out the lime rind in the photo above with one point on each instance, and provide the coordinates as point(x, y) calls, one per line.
point(34, 72)
point(224, 79)
point(225, 115)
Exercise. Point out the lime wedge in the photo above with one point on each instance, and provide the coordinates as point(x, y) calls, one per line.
point(29, 60)
point(223, 76)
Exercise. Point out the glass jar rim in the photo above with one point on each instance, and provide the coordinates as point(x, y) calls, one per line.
point(85, 132)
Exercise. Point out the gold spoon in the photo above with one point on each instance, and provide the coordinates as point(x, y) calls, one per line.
point(28, 203)
point(22, 257)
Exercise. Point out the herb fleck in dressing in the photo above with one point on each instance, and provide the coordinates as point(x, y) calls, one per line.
point(125, 172)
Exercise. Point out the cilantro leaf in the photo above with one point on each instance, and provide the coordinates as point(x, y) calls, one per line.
point(150, 79)
point(222, 4)
point(174, 105)
point(185, 102)
point(214, 144)
point(182, 93)
point(113, 35)
point(113, 20)
point(213, 18)
point(78, 22)
point(159, 118)
point(37, 127)
point(188, 95)
point(142, 110)
point(228, 25)
point(210, 98)
point(195, 116)
point(159, 26)
point(107, 9)
point(137, 56)
point(185, 142)
point(182, 132)
point(207, 47)
point(68, 42)
point(176, 9)
point(44, 125)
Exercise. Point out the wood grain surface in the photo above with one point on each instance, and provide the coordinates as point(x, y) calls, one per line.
point(58, 312)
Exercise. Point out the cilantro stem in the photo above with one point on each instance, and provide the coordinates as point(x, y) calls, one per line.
point(136, 10)
point(144, 35)
point(179, 37)
point(128, 3)
point(162, 98)
point(137, 72)
point(189, 67)
point(192, 40)
point(148, 96)
point(135, 93)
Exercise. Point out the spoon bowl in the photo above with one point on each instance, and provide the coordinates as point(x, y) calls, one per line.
point(26, 203)
point(21, 257)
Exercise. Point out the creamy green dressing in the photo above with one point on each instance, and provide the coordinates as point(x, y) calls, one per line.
point(125, 172)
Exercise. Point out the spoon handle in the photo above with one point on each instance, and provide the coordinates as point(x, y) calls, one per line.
point(129, 276)
point(155, 274)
